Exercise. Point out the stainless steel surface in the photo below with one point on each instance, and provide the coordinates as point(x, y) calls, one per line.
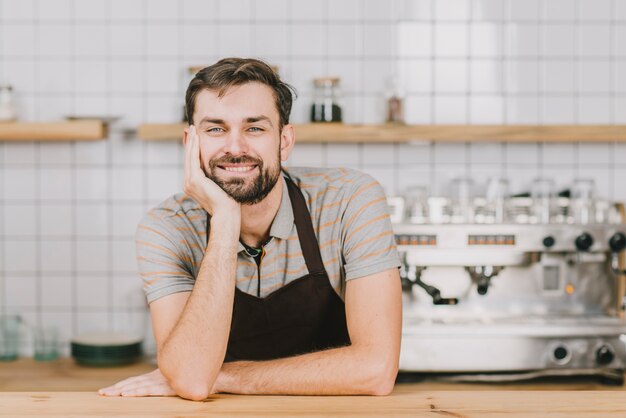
point(511, 297)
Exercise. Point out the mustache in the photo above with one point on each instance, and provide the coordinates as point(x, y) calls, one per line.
point(229, 159)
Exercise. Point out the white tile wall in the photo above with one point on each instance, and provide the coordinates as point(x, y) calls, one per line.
point(21, 291)
point(56, 291)
point(68, 211)
point(57, 255)
point(54, 220)
point(20, 256)
point(91, 220)
point(18, 220)
point(594, 40)
point(90, 9)
point(92, 291)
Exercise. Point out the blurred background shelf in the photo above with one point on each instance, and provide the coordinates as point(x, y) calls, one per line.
point(80, 130)
point(336, 132)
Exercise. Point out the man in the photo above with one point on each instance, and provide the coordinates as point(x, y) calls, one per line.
point(247, 272)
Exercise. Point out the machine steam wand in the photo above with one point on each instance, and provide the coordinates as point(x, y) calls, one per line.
point(407, 285)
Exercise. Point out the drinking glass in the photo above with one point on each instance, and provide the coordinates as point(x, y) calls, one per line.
point(46, 343)
point(9, 337)
point(417, 204)
point(581, 201)
point(544, 199)
point(462, 195)
point(496, 195)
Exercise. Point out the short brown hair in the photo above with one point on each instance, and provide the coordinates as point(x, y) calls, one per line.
point(229, 72)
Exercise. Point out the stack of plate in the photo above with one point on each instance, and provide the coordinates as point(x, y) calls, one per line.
point(106, 349)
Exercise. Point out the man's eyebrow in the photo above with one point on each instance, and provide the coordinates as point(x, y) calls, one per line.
point(258, 119)
point(212, 120)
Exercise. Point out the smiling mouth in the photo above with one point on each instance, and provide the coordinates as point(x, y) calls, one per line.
point(238, 169)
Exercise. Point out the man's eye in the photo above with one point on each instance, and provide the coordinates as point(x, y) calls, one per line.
point(255, 129)
point(215, 130)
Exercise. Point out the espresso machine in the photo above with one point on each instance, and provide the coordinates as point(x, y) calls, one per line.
point(500, 287)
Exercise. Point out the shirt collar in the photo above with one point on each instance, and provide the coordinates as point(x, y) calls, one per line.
point(283, 221)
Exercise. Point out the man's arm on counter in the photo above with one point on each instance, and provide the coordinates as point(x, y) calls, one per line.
point(191, 329)
point(191, 353)
point(369, 366)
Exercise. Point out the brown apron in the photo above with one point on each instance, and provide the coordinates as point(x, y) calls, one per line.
point(303, 316)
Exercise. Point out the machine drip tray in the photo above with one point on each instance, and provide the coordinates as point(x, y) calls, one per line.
point(544, 326)
point(523, 346)
point(613, 377)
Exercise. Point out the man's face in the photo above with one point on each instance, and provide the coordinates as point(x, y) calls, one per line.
point(240, 140)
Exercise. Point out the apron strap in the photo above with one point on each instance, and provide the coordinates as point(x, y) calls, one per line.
point(306, 233)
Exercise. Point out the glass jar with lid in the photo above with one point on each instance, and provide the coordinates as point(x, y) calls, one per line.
point(8, 109)
point(325, 107)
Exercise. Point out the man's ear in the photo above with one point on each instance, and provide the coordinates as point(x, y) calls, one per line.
point(186, 134)
point(287, 141)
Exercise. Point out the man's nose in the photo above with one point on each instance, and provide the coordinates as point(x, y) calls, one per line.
point(236, 143)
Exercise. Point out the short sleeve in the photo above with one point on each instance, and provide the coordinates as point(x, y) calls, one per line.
point(164, 264)
point(368, 241)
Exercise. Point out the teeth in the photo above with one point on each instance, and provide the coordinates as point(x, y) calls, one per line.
point(239, 169)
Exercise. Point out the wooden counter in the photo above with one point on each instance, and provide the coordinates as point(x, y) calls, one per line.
point(63, 389)
point(468, 404)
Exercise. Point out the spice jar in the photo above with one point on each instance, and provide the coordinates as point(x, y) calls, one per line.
point(8, 110)
point(325, 107)
point(395, 102)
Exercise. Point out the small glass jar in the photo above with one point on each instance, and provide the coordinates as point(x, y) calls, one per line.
point(496, 200)
point(395, 102)
point(8, 109)
point(543, 200)
point(582, 201)
point(461, 199)
point(10, 328)
point(417, 204)
point(325, 107)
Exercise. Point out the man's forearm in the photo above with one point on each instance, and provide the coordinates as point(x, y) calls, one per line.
point(341, 371)
point(193, 353)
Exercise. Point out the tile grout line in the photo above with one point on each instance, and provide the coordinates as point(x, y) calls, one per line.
point(38, 188)
point(612, 145)
point(3, 287)
point(576, 86)
point(110, 173)
point(468, 87)
point(506, 62)
point(433, 102)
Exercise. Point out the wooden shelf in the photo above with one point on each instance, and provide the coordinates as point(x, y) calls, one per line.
point(161, 131)
point(335, 132)
point(80, 130)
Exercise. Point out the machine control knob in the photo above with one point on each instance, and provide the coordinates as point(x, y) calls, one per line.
point(584, 241)
point(617, 242)
point(560, 353)
point(549, 241)
point(604, 355)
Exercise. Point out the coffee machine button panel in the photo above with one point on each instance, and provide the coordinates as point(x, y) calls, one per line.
point(416, 239)
point(604, 355)
point(549, 241)
point(584, 241)
point(561, 354)
point(491, 240)
point(617, 242)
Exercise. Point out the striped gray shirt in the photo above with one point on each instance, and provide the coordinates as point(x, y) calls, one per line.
point(350, 218)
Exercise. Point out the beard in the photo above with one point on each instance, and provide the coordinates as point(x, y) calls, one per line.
point(246, 191)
